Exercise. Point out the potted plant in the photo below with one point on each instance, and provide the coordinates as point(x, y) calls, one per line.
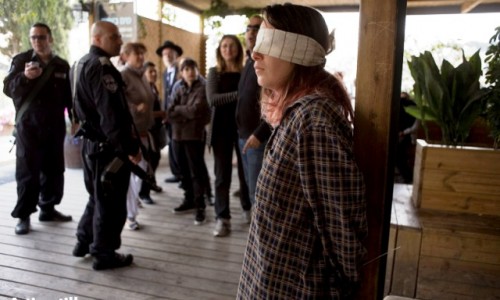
point(451, 176)
point(72, 146)
point(492, 113)
point(450, 97)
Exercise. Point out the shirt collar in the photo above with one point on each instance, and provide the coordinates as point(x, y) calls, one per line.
point(35, 57)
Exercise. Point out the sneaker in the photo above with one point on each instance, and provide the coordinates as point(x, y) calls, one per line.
point(222, 227)
point(115, 260)
point(199, 217)
point(133, 225)
point(247, 216)
point(81, 249)
point(185, 207)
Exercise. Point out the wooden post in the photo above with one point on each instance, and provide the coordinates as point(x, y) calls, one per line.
point(380, 53)
point(202, 61)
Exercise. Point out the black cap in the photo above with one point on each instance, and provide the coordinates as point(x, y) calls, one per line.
point(171, 45)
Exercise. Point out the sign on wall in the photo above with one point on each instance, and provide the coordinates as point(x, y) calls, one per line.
point(122, 14)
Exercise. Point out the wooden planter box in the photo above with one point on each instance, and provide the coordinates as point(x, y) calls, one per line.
point(444, 240)
point(463, 179)
point(434, 254)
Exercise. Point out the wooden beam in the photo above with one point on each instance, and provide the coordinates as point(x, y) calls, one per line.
point(380, 55)
point(467, 6)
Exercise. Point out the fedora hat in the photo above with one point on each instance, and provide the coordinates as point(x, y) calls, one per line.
point(171, 45)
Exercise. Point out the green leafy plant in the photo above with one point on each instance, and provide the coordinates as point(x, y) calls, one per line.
point(449, 96)
point(18, 15)
point(492, 113)
point(222, 9)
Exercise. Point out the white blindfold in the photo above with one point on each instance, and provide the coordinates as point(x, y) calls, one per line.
point(295, 48)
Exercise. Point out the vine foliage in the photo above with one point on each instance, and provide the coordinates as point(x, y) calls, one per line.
point(222, 9)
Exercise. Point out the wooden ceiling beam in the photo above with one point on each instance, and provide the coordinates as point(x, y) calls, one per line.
point(468, 6)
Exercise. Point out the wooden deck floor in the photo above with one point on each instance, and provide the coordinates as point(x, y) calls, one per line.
point(173, 258)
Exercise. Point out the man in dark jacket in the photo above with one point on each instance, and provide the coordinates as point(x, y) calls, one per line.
point(38, 82)
point(253, 131)
point(100, 104)
point(170, 52)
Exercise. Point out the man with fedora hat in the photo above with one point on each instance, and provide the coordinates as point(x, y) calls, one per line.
point(169, 52)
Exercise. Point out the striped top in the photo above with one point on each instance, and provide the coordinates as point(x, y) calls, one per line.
point(310, 212)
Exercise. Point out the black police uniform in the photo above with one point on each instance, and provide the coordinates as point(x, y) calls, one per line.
point(39, 133)
point(100, 102)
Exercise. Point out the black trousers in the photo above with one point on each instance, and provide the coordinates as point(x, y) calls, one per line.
point(404, 159)
point(106, 211)
point(194, 170)
point(172, 155)
point(39, 168)
point(223, 148)
point(154, 157)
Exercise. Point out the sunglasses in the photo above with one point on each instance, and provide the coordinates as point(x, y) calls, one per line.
point(38, 37)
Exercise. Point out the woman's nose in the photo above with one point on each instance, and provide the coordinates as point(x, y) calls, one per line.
point(256, 55)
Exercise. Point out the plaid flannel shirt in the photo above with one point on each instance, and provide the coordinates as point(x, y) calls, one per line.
point(310, 212)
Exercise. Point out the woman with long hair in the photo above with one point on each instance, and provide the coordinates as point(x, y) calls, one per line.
point(309, 216)
point(222, 93)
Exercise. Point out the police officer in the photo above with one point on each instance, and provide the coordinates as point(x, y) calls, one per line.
point(38, 82)
point(100, 102)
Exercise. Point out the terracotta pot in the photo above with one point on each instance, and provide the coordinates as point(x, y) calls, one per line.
point(73, 152)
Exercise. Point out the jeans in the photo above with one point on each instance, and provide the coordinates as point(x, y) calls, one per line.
point(223, 148)
point(252, 163)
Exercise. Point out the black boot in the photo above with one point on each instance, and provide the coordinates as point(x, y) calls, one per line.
point(81, 249)
point(53, 215)
point(185, 207)
point(115, 260)
point(23, 227)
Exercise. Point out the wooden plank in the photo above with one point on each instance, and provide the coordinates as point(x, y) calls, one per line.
point(406, 232)
point(470, 247)
point(405, 213)
point(375, 126)
point(392, 297)
point(434, 289)
point(390, 253)
point(457, 271)
point(217, 268)
point(469, 159)
point(11, 290)
point(173, 258)
point(134, 281)
point(469, 5)
point(461, 202)
point(467, 224)
point(418, 174)
point(65, 286)
point(462, 182)
point(441, 278)
point(406, 262)
point(472, 173)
